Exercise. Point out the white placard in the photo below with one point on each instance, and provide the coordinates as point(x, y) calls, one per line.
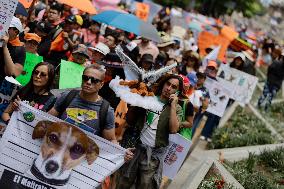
point(18, 151)
point(219, 97)
point(175, 155)
point(241, 84)
point(7, 10)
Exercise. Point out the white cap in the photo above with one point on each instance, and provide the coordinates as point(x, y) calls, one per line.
point(16, 23)
point(101, 47)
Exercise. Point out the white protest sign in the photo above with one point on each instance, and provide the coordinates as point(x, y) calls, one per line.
point(175, 155)
point(7, 10)
point(32, 163)
point(242, 85)
point(219, 97)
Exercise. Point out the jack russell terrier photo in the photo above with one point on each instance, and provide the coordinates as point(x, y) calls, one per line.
point(63, 147)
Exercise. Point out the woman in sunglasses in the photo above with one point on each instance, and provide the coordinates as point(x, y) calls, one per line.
point(36, 92)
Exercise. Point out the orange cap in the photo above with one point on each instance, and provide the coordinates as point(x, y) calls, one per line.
point(212, 63)
point(32, 36)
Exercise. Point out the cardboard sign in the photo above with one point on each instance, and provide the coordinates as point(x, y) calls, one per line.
point(142, 11)
point(26, 3)
point(38, 160)
point(175, 155)
point(219, 97)
point(31, 61)
point(241, 84)
point(7, 10)
point(70, 75)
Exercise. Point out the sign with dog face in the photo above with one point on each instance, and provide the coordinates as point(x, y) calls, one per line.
point(38, 150)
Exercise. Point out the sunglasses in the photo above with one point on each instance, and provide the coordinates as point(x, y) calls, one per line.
point(86, 78)
point(41, 74)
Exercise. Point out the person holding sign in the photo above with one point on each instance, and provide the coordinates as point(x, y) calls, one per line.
point(36, 92)
point(12, 53)
point(87, 109)
point(145, 169)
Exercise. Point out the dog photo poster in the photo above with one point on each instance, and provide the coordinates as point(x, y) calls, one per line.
point(219, 97)
point(241, 84)
point(39, 151)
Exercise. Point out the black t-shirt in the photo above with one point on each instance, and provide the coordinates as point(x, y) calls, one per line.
point(189, 109)
point(18, 55)
point(41, 102)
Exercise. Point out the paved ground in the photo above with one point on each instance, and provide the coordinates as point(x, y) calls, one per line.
point(200, 154)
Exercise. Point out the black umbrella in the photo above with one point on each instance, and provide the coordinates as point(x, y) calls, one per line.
point(21, 10)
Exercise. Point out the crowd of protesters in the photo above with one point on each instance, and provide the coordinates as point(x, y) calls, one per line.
point(56, 31)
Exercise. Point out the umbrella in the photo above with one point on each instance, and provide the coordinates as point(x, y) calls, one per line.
point(128, 22)
point(195, 25)
point(83, 5)
point(21, 10)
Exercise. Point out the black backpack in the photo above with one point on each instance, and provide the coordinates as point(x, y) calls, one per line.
point(102, 113)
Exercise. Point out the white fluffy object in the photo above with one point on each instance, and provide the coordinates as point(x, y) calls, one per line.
point(134, 99)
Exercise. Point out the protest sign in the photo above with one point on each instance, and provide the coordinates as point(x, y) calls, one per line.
point(175, 155)
point(142, 11)
point(26, 3)
point(242, 85)
point(219, 97)
point(7, 10)
point(31, 61)
point(7, 91)
point(31, 153)
point(70, 75)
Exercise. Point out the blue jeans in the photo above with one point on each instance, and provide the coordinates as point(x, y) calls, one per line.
point(269, 92)
point(211, 123)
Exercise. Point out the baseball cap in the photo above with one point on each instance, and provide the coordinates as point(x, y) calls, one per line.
point(192, 78)
point(101, 48)
point(44, 27)
point(32, 36)
point(81, 49)
point(16, 23)
point(79, 20)
point(71, 19)
point(212, 63)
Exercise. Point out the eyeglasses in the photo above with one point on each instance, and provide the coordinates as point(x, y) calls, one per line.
point(86, 78)
point(41, 74)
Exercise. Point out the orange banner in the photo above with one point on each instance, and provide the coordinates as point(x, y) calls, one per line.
point(229, 33)
point(26, 3)
point(142, 11)
point(209, 40)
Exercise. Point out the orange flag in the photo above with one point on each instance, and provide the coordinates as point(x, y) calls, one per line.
point(26, 3)
point(142, 11)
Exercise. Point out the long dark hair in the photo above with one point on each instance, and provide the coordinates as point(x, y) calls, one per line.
point(27, 89)
point(164, 79)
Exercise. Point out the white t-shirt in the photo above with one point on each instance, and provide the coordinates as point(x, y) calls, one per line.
point(148, 134)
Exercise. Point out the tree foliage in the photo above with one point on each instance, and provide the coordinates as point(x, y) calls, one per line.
point(216, 8)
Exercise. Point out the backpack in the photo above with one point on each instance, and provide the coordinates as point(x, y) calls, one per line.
point(102, 113)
